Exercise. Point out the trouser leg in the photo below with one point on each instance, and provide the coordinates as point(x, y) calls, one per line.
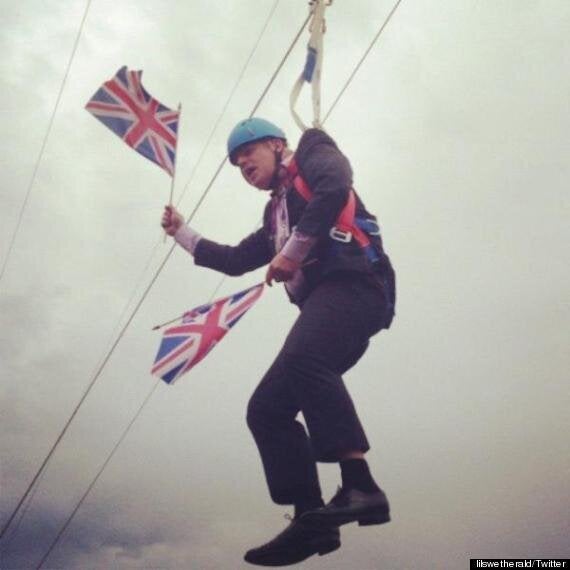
point(329, 336)
point(285, 449)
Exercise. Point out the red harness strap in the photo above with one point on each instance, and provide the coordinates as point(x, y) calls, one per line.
point(345, 223)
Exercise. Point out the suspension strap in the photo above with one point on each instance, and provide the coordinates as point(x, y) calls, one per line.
point(313, 64)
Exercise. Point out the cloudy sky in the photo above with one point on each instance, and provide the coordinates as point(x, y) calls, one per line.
point(457, 127)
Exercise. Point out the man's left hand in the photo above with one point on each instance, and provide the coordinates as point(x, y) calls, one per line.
point(281, 268)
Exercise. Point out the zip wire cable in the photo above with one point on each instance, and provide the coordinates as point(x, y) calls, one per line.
point(110, 456)
point(151, 284)
point(94, 481)
point(14, 531)
point(111, 350)
point(359, 64)
point(255, 107)
point(44, 143)
point(34, 485)
point(228, 100)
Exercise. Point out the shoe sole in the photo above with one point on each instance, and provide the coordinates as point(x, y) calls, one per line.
point(329, 520)
point(299, 556)
point(331, 547)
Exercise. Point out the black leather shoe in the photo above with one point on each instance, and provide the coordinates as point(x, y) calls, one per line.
point(350, 505)
point(296, 543)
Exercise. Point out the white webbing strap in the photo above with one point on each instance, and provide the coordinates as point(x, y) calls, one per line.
point(313, 64)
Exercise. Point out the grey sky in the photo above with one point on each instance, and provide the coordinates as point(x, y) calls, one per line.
point(457, 129)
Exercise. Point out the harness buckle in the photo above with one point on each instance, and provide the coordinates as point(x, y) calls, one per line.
point(340, 235)
point(368, 225)
point(373, 228)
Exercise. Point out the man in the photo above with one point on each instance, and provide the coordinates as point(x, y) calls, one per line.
point(317, 238)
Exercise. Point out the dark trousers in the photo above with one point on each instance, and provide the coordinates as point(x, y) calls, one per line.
point(329, 337)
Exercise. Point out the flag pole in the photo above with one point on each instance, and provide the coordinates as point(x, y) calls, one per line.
point(175, 155)
point(211, 302)
point(157, 327)
point(171, 197)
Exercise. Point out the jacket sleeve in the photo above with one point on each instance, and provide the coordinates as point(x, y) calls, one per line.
point(329, 175)
point(251, 253)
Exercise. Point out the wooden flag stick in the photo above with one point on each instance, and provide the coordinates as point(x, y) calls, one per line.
point(175, 154)
point(171, 197)
point(157, 327)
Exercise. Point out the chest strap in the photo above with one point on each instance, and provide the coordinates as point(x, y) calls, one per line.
point(347, 225)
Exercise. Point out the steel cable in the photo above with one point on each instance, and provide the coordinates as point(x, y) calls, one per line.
point(44, 143)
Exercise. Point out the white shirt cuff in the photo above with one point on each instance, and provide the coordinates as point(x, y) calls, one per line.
point(188, 238)
point(298, 246)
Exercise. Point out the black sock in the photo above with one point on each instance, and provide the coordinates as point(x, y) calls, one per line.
point(305, 505)
point(356, 475)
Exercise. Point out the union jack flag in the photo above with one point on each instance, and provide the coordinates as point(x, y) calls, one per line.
point(145, 124)
point(184, 345)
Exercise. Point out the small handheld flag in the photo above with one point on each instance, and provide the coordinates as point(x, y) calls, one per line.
point(145, 124)
point(184, 345)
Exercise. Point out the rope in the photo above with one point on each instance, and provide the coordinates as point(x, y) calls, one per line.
point(99, 473)
point(135, 310)
point(313, 64)
point(228, 100)
point(359, 64)
point(14, 531)
point(44, 142)
point(110, 456)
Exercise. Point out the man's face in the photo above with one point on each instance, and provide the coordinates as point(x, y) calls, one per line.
point(257, 162)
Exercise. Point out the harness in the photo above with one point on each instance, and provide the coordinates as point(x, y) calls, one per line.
point(347, 225)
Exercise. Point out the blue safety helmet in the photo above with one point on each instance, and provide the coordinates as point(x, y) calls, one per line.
point(251, 130)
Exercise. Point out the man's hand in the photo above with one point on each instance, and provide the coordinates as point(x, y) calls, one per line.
point(171, 220)
point(281, 268)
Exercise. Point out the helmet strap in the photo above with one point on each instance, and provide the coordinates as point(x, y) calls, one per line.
point(274, 183)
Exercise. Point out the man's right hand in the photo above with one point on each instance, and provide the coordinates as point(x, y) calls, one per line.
point(171, 220)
